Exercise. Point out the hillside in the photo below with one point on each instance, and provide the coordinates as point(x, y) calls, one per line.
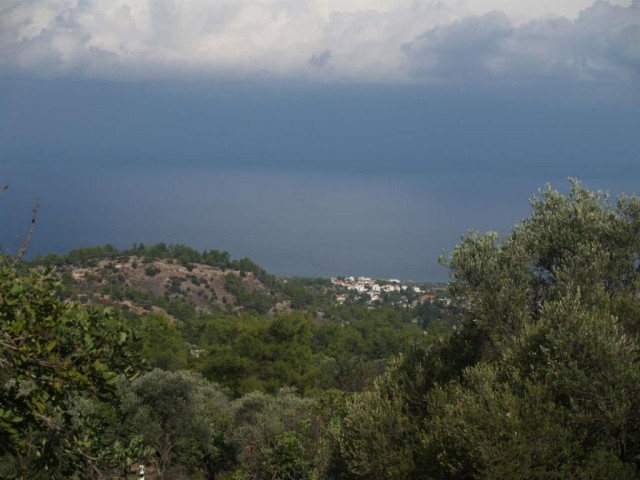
point(183, 282)
point(243, 328)
point(175, 279)
point(132, 284)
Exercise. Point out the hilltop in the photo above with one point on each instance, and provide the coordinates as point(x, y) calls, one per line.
point(174, 278)
point(182, 282)
point(135, 283)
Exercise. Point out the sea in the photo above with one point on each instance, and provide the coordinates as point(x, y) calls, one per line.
point(291, 223)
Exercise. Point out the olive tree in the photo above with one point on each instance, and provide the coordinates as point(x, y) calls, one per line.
point(182, 418)
point(51, 352)
point(541, 377)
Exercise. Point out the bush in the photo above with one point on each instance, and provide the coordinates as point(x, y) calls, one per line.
point(151, 270)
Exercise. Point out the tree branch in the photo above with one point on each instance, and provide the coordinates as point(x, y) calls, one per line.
point(27, 241)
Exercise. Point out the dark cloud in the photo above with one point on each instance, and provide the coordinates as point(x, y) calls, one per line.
point(320, 59)
point(603, 42)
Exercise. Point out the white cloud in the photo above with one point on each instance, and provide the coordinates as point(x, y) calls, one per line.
point(361, 40)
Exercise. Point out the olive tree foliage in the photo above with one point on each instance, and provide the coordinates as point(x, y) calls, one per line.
point(576, 242)
point(562, 402)
point(54, 357)
point(541, 378)
point(182, 418)
point(277, 436)
point(52, 352)
point(373, 437)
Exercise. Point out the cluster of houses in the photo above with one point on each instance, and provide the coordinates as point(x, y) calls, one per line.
point(375, 289)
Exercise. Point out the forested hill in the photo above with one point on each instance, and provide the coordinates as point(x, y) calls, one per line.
point(181, 282)
point(185, 255)
point(178, 280)
point(239, 325)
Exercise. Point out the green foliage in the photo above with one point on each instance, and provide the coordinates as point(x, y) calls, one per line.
point(277, 436)
point(174, 307)
point(90, 256)
point(289, 458)
point(579, 241)
point(99, 426)
point(151, 270)
point(372, 333)
point(373, 437)
point(306, 292)
point(480, 428)
point(437, 317)
point(182, 418)
point(540, 378)
point(50, 352)
point(162, 343)
point(250, 300)
point(248, 353)
point(357, 343)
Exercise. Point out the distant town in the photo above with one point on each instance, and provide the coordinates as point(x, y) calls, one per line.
point(392, 291)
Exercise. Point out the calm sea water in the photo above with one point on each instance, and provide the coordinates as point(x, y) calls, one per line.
point(290, 223)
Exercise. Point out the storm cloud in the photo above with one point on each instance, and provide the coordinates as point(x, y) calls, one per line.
point(603, 42)
point(368, 40)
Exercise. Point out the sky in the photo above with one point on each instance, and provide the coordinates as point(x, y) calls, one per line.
point(318, 137)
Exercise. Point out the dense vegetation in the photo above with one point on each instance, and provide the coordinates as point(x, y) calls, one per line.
point(54, 357)
point(540, 377)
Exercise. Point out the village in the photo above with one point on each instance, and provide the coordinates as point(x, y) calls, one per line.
point(391, 291)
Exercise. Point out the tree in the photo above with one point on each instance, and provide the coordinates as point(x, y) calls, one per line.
point(51, 352)
point(541, 378)
point(182, 417)
point(576, 242)
point(277, 436)
point(162, 344)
